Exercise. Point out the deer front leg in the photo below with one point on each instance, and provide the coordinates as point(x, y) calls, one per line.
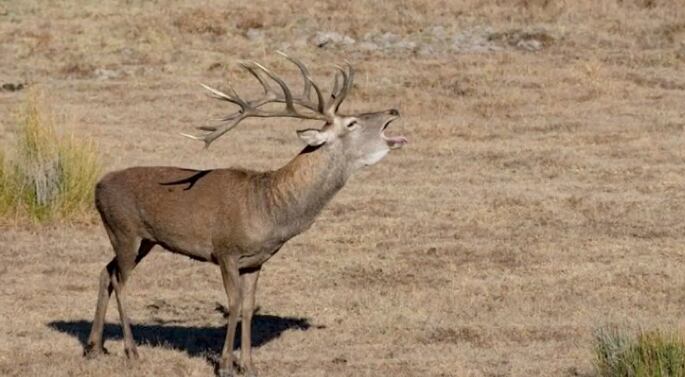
point(248, 282)
point(231, 278)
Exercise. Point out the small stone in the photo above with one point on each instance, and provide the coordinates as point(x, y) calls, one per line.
point(529, 45)
point(324, 38)
point(368, 46)
point(107, 74)
point(405, 44)
point(12, 87)
point(427, 50)
point(389, 38)
point(438, 32)
point(254, 34)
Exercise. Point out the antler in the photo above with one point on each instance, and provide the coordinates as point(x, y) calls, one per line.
point(251, 108)
point(337, 97)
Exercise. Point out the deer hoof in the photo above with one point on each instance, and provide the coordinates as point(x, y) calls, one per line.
point(132, 353)
point(247, 371)
point(226, 372)
point(91, 351)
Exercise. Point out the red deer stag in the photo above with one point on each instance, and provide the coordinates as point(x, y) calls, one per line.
point(235, 218)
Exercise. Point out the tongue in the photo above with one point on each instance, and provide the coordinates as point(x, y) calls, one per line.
point(396, 141)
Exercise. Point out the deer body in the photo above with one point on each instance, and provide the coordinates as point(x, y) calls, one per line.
point(256, 214)
point(235, 218)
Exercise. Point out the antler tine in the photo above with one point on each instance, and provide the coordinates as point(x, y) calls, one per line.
point(347, 84)
point(270, 95)
point(338, 96)
point(224, 119)
point(319, 97)
point(334, 91)
point(306, 91)
point(308, 84)
point(350, 75)
point(264, 83)
point(290, 100)
point(289, 105)
point(216, 131)
point(233, 98)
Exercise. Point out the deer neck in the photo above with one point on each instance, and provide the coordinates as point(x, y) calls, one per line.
point(300, 189)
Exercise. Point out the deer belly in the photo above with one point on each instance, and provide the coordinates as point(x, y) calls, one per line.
point(191, 250)
point(257, 259)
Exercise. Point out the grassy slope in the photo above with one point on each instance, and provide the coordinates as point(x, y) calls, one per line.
point(541, 194)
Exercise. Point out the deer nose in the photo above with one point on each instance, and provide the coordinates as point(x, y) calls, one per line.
point(394, 112)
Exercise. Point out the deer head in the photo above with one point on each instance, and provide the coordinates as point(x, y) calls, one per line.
point(360, 137)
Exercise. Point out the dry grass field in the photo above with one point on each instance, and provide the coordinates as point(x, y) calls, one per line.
point(542, 193)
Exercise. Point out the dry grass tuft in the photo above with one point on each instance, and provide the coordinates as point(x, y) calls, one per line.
point(51, 176)
point(651, 354)
point(460, 335)
point(200, 21)
point(527, 40)
point(5, 174)
point(250, 21)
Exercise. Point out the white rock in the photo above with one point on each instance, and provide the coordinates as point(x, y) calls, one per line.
point(529, 44)
point(438, 32)
point(107, 74)
point(368, 46)
point(254, 34)
point(323, 38)
point(405, 44)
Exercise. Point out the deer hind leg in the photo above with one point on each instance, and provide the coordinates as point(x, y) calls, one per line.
point(129, 252)
point(128, 257)
point(248, 283)
point(95, 345)
point(231, 279)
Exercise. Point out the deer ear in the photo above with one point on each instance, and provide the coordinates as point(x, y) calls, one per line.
point(312, 137)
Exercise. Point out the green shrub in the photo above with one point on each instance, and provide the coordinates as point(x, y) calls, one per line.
point(650, 354)
point(50, 176)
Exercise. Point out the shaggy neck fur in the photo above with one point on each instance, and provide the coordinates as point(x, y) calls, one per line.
point(300, 189)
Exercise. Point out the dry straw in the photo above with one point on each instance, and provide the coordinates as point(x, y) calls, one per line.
point(51, 174)
point(650, 354)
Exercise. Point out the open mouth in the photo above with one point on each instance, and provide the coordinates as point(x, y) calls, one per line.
point(394, 142)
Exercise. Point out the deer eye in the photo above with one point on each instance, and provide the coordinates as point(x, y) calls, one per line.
point(352, 124)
